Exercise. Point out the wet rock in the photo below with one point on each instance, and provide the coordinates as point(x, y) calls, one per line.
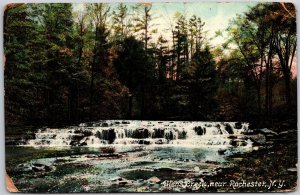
point(158, 133)
point(24, 167)
point(109, 135)
point(221, 151)
point(146, 142)
point(41, 168)
point(87, 133)
point(104, 125)
point(74, 143)
point(77, 137)
point(250, 132)
point(37, 169)
point(154, 180)
point(238, 125)
point(199, 130)
point(160, 141)
point(120, 181)
point(182, 134)
point(259, 139)
point(140, 182)
point(228, 128)
point(141, 133)
point(78, 131)
point(267, 131)
point(232, 137)
point(82, 144)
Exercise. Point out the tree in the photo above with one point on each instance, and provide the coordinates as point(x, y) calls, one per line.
point(120, 22)
point(19, 48)
point(195, 33)
point(201, 78)
point(285, 41)
point(181, 44)
point(143, 25)
point(132, 66)
point(99, 13)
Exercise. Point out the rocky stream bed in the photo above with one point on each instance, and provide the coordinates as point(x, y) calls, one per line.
point(126, 156)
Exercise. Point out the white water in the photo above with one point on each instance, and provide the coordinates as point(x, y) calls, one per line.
point(154, 133)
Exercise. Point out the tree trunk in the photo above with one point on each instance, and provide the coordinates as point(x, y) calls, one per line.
point(287, 80)
point(267, 93)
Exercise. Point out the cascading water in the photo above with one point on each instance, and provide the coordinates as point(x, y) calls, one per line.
point(131, 151)
point(120, 132)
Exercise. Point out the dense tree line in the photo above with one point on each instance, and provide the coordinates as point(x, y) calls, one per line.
point(103, 62)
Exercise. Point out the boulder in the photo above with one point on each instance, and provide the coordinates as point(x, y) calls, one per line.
point(258, 139)
point(154, 180)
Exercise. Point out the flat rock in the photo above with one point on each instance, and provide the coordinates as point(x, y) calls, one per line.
point(267, 131)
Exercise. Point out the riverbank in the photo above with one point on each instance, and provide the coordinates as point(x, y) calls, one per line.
point(275, 167)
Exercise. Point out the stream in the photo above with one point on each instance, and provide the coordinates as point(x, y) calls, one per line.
point(123, 156)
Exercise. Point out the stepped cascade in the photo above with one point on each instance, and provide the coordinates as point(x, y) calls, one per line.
point(130, 132)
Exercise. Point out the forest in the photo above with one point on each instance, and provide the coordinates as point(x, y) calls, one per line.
point(109, 61)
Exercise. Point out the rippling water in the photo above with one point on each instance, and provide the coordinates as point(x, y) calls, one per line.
point(124, 156)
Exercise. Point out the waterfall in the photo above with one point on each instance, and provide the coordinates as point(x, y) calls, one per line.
point(130, 132)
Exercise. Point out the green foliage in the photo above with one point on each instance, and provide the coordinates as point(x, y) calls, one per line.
point(65, 66)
